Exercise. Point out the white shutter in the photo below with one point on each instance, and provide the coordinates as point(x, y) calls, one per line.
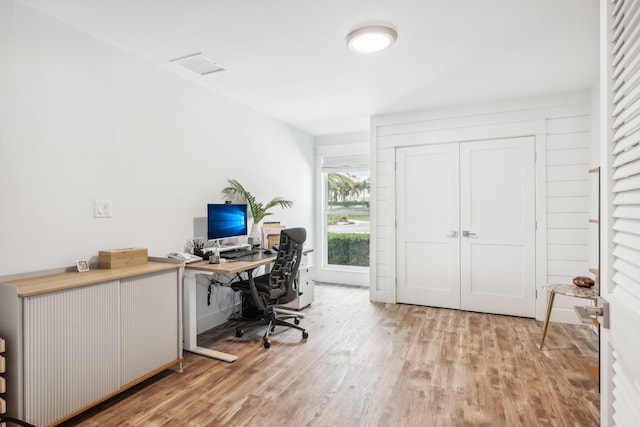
point(626, 146)
point(624, 149)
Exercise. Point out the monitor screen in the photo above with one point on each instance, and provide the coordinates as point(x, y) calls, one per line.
point(226, 220)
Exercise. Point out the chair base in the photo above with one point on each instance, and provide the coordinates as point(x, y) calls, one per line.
point(271, 320)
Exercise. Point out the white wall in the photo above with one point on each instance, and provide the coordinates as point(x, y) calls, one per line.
point(560, 125)
point(81, 120)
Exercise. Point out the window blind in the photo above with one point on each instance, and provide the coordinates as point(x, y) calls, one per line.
point(353, 161)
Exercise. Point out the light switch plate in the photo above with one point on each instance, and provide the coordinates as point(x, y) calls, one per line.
point(102, 208)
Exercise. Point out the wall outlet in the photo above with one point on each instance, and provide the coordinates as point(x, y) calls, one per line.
point(102, 209)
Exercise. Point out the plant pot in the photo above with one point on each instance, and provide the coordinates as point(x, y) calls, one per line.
point(255, 234)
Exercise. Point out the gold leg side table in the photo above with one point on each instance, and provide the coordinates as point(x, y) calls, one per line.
point(570, 291)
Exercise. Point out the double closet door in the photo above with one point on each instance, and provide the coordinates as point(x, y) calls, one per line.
point(466, 226)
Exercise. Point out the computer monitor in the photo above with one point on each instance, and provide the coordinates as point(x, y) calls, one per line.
point(226, 221)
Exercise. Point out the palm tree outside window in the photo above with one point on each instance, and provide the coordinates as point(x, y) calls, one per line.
point(347, 217)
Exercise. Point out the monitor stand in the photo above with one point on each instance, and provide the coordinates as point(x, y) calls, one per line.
point(234, 247)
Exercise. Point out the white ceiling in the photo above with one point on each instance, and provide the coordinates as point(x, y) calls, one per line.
point(288, 58)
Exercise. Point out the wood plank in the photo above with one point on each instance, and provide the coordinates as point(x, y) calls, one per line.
point(567, 141)
point(575, 156)
point(577, 124)
point(567, 220)
point(565, 173)
point(57, 282)
point(579, 204)
point(568, 252)
point(577, 188)
point(375, 364)
point(561, 236)
point(567, 268)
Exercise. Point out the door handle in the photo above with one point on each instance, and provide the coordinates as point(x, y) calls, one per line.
point(600, 310)
point(453, 233)
point(467, 233)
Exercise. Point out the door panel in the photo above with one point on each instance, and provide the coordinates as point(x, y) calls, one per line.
point(497, 193)
point(428, 255)
point(620, 214)
point(484, 188)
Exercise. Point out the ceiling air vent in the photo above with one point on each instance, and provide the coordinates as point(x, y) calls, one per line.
point(198, 63)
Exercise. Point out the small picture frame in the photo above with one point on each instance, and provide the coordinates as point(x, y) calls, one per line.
point(82, 266)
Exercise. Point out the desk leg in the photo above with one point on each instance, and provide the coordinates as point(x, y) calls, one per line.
point(552, 295)
point(191, 323)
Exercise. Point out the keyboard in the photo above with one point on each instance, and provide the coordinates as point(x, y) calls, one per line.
point(238, 254)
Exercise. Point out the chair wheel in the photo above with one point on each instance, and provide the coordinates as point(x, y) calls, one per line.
point(305, 335)
point(296, 321)
point(239, 333)
point(266, 343)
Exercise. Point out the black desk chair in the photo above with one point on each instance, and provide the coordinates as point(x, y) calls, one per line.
point(268, 291)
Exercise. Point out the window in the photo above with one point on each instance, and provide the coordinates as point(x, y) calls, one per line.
point(346, 184)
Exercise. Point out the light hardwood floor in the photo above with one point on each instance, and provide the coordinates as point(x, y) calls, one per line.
point(371, 364)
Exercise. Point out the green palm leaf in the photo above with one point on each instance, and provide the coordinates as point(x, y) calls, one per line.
point(235, 192)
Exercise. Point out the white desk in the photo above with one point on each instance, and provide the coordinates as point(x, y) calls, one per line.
point(190, 320)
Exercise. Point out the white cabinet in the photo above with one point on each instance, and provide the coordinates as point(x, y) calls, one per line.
point(148, 324)
point(70, 350)
point(305, 283)
point(77, 339)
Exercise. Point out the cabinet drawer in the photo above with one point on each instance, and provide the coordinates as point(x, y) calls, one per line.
point(305, 283)
point(305, 274)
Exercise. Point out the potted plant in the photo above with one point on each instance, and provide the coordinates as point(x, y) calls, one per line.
point(235, 192)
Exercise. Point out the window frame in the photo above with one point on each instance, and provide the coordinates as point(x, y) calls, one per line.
point(326, 147)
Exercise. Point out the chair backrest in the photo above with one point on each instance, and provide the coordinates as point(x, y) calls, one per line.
point(285, 268)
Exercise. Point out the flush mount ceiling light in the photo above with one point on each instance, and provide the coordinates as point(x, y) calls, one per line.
point(198, 63)
point(371, 39)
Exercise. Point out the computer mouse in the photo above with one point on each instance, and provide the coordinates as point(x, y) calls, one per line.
point(269, 252)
